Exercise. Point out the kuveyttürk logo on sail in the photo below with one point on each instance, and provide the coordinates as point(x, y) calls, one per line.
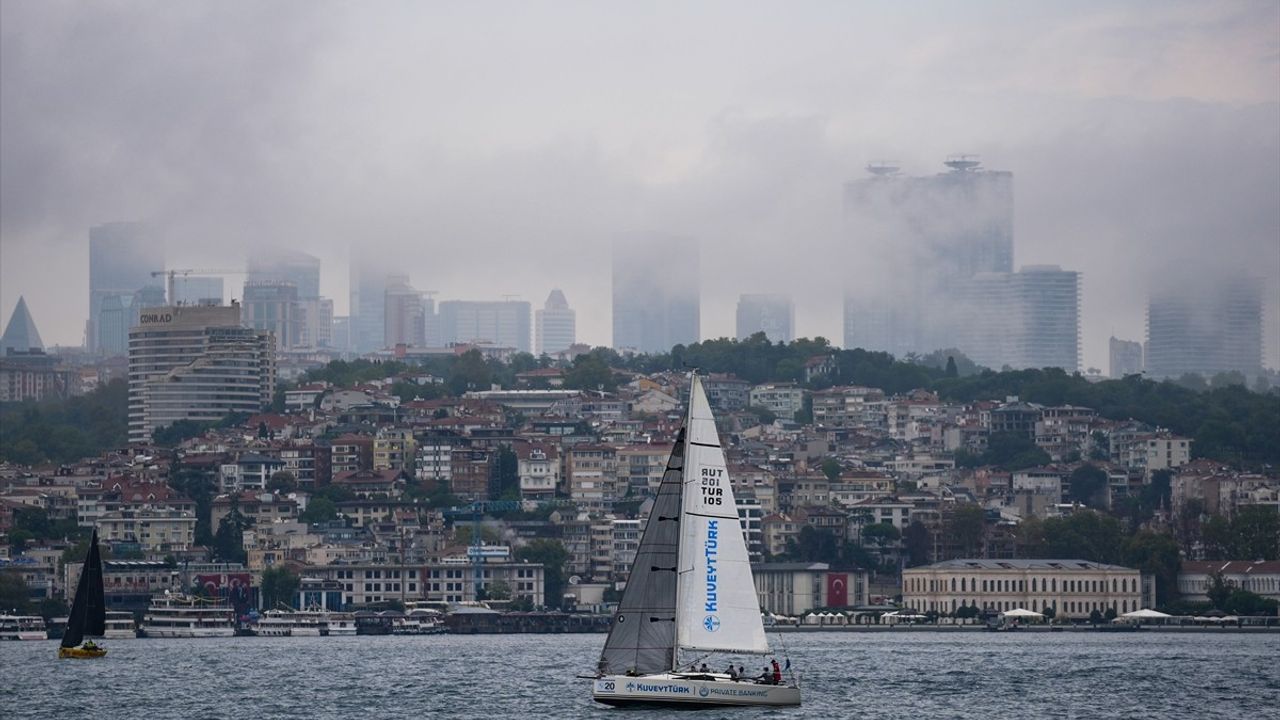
point(710, 549)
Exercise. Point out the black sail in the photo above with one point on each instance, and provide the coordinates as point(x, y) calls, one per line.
point(642, 637)
point(88, 609)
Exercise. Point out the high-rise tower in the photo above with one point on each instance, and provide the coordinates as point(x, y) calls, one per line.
point(773, 315)
point(656, 293)
point(1206, 328)
point(555, 325)
point(122, 256)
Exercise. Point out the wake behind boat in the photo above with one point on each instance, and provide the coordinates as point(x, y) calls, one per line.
point(690, 590)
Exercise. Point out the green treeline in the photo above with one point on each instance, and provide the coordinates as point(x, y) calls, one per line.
point(65, 430)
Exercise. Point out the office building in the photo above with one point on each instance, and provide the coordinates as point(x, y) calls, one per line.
point(296, 268)
point(1205, 329)
point(501, 323)
point(555, 325)
point(122, 256)
point(196, 363)
point(368, 302)
point(20, 334)
point(404, 314)
point(773, 315)
point(1126, 357)
point(340, 337)
point(656, 293)
point(197, 290)
point(272, 306)
point(922, 236)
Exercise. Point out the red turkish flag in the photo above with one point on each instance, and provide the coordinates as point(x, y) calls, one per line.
point(837, 589)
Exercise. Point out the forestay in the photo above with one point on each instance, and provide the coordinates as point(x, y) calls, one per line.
point(642, 637)
point(717, 606)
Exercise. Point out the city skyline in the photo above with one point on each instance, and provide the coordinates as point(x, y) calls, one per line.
point(1129, 169)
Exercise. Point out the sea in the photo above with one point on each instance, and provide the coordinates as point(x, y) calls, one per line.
point(909, 675)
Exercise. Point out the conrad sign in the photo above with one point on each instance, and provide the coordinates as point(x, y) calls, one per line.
point(154, 318)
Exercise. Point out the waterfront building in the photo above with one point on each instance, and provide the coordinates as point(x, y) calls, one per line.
point(151, 530)
point(1205, 329)
point(196, 363)
point(503, 323)
point(773, 315)
point(1072, 588)
point(122, 256)
point(555, 325)
point(656, 300)
point(1126, 357)
point(1196, 577)
point(794, 589)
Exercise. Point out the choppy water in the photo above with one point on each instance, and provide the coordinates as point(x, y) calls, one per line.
point(846, 675)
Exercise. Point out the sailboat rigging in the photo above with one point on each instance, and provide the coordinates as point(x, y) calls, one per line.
point(88, 610)
point(690, 588)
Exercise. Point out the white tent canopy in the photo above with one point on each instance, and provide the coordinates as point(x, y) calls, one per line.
point(1145, 614)
point(1021, 613)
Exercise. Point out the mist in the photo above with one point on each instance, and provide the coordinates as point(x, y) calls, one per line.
point(499, 150)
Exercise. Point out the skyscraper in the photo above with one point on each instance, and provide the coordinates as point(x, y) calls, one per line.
point(272, 306)
point(773, 315)
point(1205, 328)
point(368, 302)
point(923, 236)
point(122, 256)
point(404, 317)
point(555, 325)
point(503, 323)
point(1126, 357)
point(195, 363)
point(312, 315)
point(1027, 319)
point(656, 293)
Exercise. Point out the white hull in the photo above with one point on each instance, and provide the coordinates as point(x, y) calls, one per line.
point(669, 689)
point(25, 635)
point(119, 634)
point(171, 632)
point(342, 631)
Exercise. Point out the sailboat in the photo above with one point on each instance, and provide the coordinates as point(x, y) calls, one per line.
point(690, 591)
point(88, 610)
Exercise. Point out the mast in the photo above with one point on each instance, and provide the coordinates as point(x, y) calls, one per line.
point(683, 566)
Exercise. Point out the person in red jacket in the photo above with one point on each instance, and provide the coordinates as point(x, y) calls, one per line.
point(777, 672)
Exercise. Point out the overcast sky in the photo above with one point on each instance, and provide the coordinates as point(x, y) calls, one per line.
point(497, 148)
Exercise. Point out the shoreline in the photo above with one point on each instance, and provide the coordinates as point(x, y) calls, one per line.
point(1262, 629)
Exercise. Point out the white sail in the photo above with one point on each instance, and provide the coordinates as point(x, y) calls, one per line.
point(716, 605)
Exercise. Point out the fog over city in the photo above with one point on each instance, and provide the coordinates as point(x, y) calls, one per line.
point(501, 149)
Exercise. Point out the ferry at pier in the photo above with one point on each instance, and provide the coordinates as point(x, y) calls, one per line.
point(22, 627)
point(184, 616)
point(120, 626)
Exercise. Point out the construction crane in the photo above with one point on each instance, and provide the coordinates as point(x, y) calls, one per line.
point(184, 272)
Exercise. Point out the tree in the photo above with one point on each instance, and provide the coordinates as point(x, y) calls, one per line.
point(498, 589)
point(279, 587)
point(1110, 614)
point(1012, 451)
point(952, 371)
point(552, 556)
point(1219, 591)
point(18, 540)
point(1155, 554)
point(966, 526)
point(228, 542)
point(832, 469)
point(1088, 483)
point(319, 510)
point(282, 481)
point(1095, 616)
point(14, 595)
point(916, 543)
point(881, 534)
point(507, 472)
point(1256, 531)
point(590, 372)
point(469, 372)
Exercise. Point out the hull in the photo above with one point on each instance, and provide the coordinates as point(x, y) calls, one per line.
point(119, 634)
point(25, 635)
point(79, 653)
point(685, 692)
point(189, 632)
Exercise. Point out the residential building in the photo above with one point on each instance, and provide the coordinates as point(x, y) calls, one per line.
point(1126, 357)
point(152, 530)
point(1027, 319)
point(196, 363)
point(656, 293)
point(783, 401)
point(405, 314)
point(591, 476)
point(33, 375)
point(773, 315)
point(555, 325)
point(538, 465)
point(1072, 588)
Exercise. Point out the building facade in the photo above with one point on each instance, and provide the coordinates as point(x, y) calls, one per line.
point(196, 363)
point(1206, 329)
point(503, 323)
point(555, 325)
point(122, 256)
point(1126, 357)
point(1071, 588)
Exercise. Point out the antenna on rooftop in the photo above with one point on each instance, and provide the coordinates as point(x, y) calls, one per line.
point(962, 162)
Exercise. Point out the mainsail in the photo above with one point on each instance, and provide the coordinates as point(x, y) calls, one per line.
point(642, 637)
point(88, 610)
point(716, 606)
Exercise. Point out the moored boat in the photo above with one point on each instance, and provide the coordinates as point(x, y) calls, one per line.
point(22, 627)
point(120, 625)
point(184, 616)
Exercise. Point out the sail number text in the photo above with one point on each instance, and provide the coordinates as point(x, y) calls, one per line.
point(712, 492)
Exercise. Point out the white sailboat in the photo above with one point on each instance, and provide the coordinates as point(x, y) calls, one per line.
point(690, 590)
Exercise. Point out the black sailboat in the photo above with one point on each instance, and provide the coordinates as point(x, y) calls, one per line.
point(88, 609)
